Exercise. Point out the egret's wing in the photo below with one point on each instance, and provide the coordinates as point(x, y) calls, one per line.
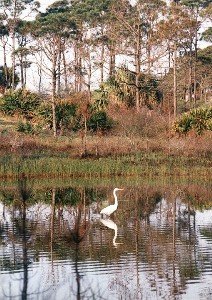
point(106, 210)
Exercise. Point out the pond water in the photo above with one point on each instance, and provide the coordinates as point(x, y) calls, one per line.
point(55, 245)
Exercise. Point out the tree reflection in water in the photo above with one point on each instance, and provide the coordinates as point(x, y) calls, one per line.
point(77, 235)
point(19, 234)
point(159, 250)
point(24, 196)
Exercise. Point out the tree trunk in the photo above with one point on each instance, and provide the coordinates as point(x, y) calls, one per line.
point(201, 91)
point(195, 75)
point(169, 53)
point(149, 60)
point(102, 63)
point(190, 75)
point(138, 66)
point(21, 71)
point(85, 137)
point(89, 79)
point(65, 70)
point(149, 49)
point(40, 73)
point(25, 71)
point(5, 64)
point(80, 73)
point(54, 115)
point(59, 69)
point(175, 81)
point(13, 58)
point(54, 80)
point(195, 59)
point(112, 62)
point(75, 68)
point(78, 68)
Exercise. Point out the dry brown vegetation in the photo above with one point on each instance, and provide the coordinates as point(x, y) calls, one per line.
point(147, 131)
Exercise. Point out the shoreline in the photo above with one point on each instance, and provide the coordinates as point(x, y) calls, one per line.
point(146, 164)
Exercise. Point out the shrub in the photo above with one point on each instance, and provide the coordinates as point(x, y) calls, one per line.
point(99, 121)
point(100, 98)
point(20, 102)
point(25, 127)
point(199, 120)
point(123, 87)
point(65, 114)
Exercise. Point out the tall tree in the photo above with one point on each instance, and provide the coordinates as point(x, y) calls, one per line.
point(90, 17)
point(4, 34)
point(177, 30)
point(195, 8)
point(138, 22)
point(50, 42)
point(128, 16)
point(23, 50)
point(13, 10)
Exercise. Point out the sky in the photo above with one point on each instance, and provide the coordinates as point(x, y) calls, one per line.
point(45, 3)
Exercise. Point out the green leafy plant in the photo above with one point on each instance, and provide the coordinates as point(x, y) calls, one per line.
point(100, 98)
point(27, 128)
point(21, 102)
point(122, 87)
point(65, 114)
point(99, 121)
point(199, 120)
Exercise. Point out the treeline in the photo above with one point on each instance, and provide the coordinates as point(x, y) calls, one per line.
point(139, 53)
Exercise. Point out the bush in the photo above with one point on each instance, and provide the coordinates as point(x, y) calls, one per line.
point(25, 127)
point(20, 102)
point(65, 114)
point(100, 99)
point(99, 121)
point(199, 120)
point(123, 87)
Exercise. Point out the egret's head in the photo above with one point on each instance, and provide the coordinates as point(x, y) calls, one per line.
point(117, 189)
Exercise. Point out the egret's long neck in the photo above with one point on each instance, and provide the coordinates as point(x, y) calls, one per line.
point(115, 197)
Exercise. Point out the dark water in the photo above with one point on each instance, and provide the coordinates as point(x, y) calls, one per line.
point(158, 244)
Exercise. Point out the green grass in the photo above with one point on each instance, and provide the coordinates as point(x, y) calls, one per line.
point(141, 164)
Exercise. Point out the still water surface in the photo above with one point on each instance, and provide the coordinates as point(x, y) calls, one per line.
point(54, 245)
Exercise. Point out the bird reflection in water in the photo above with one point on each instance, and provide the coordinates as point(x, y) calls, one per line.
point(112, 225)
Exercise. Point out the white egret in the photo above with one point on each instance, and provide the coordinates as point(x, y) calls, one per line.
point(111, 208)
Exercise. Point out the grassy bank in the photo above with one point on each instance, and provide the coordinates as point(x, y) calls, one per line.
point(140, 164)
point(133, 148)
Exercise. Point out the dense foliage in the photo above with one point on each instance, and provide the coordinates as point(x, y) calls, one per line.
point(6, 77)
point(140, 55)
point(21, 103)
point(65, 114)
point(100, 122)
point(198, 120)
point(37, 113)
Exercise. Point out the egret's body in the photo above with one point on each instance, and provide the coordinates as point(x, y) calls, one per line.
point(111, 208)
